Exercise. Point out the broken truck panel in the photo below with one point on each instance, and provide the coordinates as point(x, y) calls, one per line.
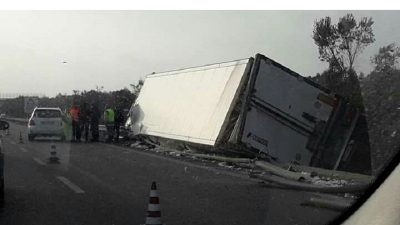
point(190, 104)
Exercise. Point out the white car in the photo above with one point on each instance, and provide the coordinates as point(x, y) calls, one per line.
point(46, 122)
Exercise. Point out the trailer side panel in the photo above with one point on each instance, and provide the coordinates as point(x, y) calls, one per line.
point(191, 104)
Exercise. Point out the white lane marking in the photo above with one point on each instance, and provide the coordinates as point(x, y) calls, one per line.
point(23, 149)
point(40, 162)
point(71, 185)
point(13, 143)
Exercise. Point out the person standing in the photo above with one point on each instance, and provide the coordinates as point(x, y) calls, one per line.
point(109, 120)
point(84, 116)
point(118, 121)
point(76, 136)
point(94, 121)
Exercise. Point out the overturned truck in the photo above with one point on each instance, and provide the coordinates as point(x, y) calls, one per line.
point(254, 104)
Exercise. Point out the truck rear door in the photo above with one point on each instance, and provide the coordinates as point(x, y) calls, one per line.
point(285, 110)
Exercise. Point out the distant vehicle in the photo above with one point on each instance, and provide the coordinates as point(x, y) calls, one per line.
point(46, 122)
point(3, 126)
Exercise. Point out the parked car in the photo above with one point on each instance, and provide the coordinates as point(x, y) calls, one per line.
point(3, 126)
point(46, 122)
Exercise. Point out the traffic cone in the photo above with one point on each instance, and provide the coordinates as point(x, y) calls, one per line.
point(20, 138)
point(53, 154)
point(154, 213)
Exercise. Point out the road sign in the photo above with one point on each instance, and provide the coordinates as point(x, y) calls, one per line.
point(30, 103)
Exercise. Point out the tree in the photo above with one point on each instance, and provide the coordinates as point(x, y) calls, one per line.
point(340, 44)
point(123, 98)
point(386, 59)
point(381, 97)
point(99, 88)
point(137, 87)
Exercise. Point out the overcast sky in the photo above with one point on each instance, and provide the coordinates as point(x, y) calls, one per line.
point(115, 48)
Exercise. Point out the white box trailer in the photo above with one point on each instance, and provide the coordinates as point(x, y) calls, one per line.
point(189, 104)
point(255, 103)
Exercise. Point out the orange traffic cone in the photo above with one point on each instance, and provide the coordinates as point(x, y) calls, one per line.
point(153, 213)
point(53, 154)
point(20, 138)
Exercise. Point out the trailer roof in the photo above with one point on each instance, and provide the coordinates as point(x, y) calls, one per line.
point(203, 67)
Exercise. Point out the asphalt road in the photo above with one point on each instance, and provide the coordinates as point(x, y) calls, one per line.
point(97, 184)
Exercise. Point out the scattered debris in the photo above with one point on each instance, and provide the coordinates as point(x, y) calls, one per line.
point(338, 205)
point(282, 172)
point(222, 164)
point(286, 183)
point(348, 195)
point(327, 179)
point(226, 165)
point(335, 174)
point(328, 182)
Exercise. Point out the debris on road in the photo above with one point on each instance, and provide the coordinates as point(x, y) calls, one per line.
point(329, 182)
point(297, 185)
point(310, 181)
point(226, 165)
point(281, 172)
point(336, 204)
point(333, 175)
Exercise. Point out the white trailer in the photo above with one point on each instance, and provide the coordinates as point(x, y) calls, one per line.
point(255, 103)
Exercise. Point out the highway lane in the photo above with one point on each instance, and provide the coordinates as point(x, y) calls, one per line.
point(96, 183)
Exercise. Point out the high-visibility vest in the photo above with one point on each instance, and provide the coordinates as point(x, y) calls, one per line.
point(110, 115)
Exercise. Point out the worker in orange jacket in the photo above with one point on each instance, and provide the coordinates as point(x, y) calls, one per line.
point(76, 131)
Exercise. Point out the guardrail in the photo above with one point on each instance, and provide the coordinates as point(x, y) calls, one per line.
point(17, 120)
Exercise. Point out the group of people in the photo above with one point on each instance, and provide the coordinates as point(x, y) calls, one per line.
point(87, 117)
